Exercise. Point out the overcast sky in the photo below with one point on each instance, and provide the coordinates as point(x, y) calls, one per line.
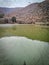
point(17, 3)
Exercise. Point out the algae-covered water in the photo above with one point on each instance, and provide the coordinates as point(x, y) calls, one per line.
point(34, 32)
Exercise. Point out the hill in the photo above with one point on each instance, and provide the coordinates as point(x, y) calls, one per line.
point(35, 12)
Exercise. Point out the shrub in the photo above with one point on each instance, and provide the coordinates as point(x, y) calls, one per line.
point(24, 63)
point(6, 20)
point(1, 15)
point(13, 19)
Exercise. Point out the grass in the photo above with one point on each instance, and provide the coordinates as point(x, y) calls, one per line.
point(35, 32)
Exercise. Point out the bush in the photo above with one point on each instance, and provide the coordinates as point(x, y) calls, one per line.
point(13, 19)
point(24, 63)
point(6, 20)
point(1, 15)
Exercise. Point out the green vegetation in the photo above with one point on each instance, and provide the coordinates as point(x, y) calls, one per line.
point(24, 63)
point(35, 32)
point(1, 15)
point(6, 20)
point(13, 19)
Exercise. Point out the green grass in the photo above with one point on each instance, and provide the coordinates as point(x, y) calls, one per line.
point(35, 32)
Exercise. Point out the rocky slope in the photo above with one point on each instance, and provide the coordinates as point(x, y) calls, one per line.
point(35, 12)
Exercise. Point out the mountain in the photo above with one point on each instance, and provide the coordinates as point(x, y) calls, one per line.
point(8, 10)
point(5, 10)
point(35, 12)
point(27, 14)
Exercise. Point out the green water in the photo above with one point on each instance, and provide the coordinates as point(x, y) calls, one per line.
point(34, 32)
point(16, 50)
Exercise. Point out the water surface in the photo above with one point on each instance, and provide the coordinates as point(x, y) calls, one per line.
point(16, 50)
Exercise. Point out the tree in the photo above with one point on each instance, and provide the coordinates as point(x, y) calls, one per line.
point(1, 15)
point(6, 20)
point(13, 19)
point(24, 63)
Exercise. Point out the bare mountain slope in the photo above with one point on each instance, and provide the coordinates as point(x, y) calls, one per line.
point(35, 12)
point(27, 14)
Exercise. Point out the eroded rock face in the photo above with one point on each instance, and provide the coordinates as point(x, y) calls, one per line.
point(17, 50)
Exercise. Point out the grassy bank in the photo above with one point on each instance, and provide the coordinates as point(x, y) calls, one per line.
point(31, 31)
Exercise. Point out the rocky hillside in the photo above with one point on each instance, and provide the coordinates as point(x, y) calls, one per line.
point(44, 6)
point(27, 14)
point(35, 12)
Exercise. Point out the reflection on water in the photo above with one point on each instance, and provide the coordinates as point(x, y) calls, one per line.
point(17, 50)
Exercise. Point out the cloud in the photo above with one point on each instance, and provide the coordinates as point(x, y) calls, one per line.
point(12, 3)
point(16, 3)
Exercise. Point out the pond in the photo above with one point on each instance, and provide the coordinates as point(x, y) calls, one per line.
point(16, 50)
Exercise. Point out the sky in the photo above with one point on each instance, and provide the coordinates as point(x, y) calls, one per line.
point(17, 3)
